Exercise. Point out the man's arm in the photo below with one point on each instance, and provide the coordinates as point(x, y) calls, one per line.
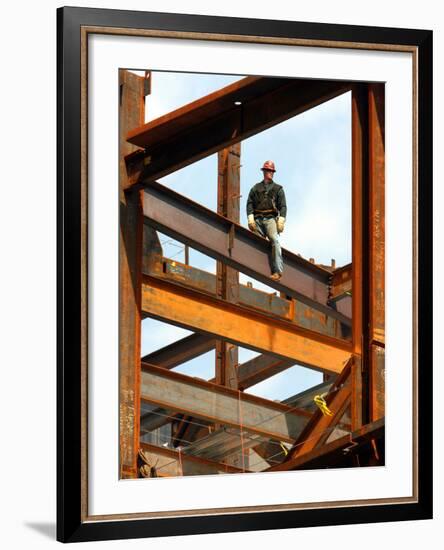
point(250, 207)
point(281, 203)
point(250, 211)
point(282, 207)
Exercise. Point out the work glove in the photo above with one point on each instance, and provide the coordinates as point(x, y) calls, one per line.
point(280, 224)
point(251, 222)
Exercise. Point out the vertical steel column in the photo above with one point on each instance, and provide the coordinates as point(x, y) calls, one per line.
point(131, 115)
point(227, 281)
point(377, 252)
point(359, 254)
point(227, 278)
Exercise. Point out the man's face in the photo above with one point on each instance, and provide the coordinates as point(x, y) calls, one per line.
point(268, 175)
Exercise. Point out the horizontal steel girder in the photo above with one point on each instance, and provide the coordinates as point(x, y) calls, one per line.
point(181, 351)
point(198, 312)
point(201, 399)
point(266, 302)
point(215, 121)
point(206, 282)
point(224, 442)
point(330, 454)
point(216, 236)
point(169, 463)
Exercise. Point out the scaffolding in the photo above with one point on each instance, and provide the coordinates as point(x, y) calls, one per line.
point(321, 317)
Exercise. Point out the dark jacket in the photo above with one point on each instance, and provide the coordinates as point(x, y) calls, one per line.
point(267, 199)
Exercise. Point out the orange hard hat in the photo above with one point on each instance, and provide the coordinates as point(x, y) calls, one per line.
point(269, 165)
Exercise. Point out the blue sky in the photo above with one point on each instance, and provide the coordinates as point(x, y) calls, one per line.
point(312, 153)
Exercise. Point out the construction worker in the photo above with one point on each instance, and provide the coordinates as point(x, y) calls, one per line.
point(266, 211)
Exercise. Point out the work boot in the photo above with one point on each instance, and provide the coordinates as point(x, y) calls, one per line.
point(276, 276)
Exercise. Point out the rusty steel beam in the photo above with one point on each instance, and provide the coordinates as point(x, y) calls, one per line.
point(324, 424)
point(341, 283)
point(198, 312)
point(154, 419)
point(171, 144)
point(201, 109)
point(377, 212)
point(360, 245)
point(204, 281)
point(377, 251)
point(260, 368)
point(131, 113)
point(302, 400)
point(312, 319)
point(181, 351)
point(266, 302)
point(338, 452)
point(377, 382)
point(227, 278)
point(345, 306)
point(170, 463)
point(214, 235)
point(201, 399)
point(222, 443)
point(319, 427)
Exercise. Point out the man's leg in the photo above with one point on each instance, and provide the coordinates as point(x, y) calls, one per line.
point(260, 228)
point(276, 251)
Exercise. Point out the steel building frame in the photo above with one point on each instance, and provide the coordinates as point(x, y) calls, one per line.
point(328, 319)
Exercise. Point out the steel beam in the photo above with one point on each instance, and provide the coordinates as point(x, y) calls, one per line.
point(377, 252)
point(185, 136)
point(322, 425)
point(341, 283)
point(198, 312)
point(200, 110)
point(201, 399)
point(360, 245)
point(377, 382)
point(293, 310)
point(227, 278)
point(303, 400)
point(226, 442)
point(181, 351)
point(171, 463)
point(260, 368)
point(131, 113)
point(377, 212)
point(222, 443)
point(204, 281)
point(214, 235)
point(338, 452)
point(318, 429)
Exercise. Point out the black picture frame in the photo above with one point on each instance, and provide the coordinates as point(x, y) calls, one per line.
point(71, 525)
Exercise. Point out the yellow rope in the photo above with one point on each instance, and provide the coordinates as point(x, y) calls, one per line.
point(321, 403)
